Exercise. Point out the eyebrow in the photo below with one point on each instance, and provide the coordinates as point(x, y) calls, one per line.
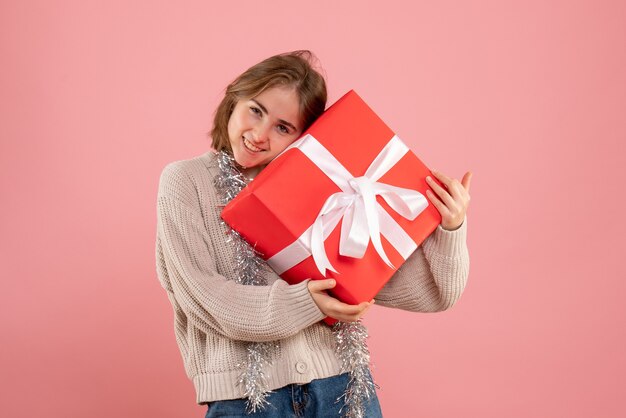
point(284, 122)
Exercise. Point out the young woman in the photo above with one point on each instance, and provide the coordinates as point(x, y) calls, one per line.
point(252, 344)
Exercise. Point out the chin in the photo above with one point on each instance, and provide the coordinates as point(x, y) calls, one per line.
point(244, 161)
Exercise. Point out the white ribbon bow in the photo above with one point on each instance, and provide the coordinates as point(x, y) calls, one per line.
point(364, 219)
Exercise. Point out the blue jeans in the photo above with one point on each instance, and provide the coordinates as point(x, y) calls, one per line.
point(315, 399)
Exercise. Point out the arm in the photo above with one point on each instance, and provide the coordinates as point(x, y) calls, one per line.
point(433, 278)
point(209, 300)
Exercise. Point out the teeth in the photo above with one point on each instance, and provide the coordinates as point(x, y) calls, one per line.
point(251, 147)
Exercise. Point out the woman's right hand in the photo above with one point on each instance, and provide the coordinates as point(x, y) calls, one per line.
point(333, 307)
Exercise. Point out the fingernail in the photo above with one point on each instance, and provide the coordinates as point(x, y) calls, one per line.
point(428, 178)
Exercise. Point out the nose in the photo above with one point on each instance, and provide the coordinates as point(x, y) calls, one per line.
point(261, 133)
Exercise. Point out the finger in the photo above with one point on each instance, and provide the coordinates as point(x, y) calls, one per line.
point(443, 210)
point(442, 177)
point(368, 305)
point(467, 178)
point(455, 188)
point(321, 285)
point(359, 315)
point(352, 318)
point(346, 318)
point(345, 309)
point(441, 192)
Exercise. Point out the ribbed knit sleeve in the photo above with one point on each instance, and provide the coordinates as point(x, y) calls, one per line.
point(209, 300)
point(433, 278)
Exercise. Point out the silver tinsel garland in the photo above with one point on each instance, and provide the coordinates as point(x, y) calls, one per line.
point(351, 348)
point(350, 337)
point(249, 266)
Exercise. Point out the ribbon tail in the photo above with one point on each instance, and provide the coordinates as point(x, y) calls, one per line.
point(325, 222)
point(354, 233)
point(397, 237)
point(317, 249)
point(378, 245)
point(371, 213)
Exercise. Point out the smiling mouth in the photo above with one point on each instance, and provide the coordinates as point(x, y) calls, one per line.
point(251, 147)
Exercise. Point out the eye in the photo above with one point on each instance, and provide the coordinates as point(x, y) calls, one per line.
point(256, 110)
point(283, 129)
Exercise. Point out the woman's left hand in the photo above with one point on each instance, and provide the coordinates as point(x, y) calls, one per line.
point(451, 201)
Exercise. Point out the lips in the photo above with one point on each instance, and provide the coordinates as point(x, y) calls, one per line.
point(249, 146)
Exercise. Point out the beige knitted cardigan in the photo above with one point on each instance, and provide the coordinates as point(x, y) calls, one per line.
point(214, 317)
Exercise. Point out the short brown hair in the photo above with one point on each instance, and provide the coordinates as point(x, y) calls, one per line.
point(290, 69)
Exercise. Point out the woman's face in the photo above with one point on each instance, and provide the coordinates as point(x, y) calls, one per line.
point(260, 128)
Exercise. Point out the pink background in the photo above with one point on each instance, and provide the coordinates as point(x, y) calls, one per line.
point(98, 96)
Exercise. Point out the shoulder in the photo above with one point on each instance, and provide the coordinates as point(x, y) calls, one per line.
point(181, 179)
point(192, 167)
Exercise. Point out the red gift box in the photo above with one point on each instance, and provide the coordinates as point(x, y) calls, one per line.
point(347, 186)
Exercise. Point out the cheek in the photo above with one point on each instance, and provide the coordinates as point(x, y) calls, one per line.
point(238, 122)
point(233, 126)
point(283, 143)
